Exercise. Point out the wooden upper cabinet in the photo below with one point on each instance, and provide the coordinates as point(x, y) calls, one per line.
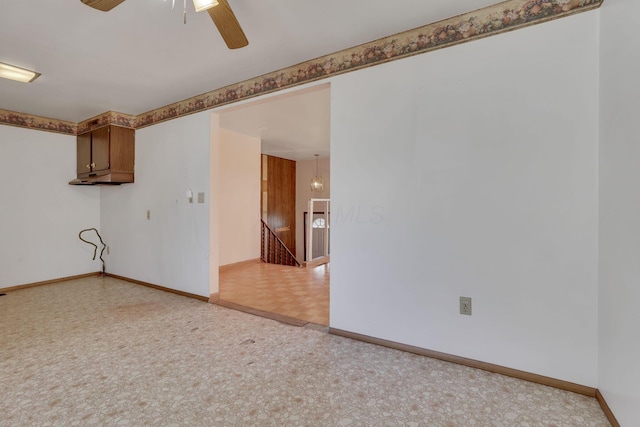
point(84, 154)
point(106, 156)
point(100, 148)
point(122, 150)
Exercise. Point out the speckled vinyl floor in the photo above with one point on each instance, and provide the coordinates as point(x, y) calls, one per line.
point(109, 353)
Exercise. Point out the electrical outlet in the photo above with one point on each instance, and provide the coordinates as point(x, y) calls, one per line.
point(465, 306)
point(148, 214)
point(200, 197)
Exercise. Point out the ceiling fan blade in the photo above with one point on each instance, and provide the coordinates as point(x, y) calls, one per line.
point(228, 25)
point(103, 5)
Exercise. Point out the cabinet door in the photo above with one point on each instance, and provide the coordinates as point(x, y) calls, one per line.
point(122, 149)
point(84, 153)
point(100, 149)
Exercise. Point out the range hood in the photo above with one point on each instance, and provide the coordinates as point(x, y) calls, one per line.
point(106, 178)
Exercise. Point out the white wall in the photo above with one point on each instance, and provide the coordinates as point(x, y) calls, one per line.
point(305, 170)
point(619, 370)
point(40, 214)
point(472, 171)
point(481, 164)
point(172, 248)
point(239, 201)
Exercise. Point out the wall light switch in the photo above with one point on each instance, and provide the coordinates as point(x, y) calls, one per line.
point(148, 214)
point(200, 197)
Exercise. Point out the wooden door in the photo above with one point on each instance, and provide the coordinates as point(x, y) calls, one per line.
point(281, 199)
point(83, 154)
point(100, 149)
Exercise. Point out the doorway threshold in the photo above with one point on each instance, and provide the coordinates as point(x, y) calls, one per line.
point(316, 262)
point(273, 316)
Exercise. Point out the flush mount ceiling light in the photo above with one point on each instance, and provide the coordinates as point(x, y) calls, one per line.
point(201, 5)
point(16, 73)
point(317, 183)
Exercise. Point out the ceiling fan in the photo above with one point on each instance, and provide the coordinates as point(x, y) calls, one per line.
point(219, 10)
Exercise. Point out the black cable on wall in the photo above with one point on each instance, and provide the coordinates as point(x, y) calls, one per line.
point(95, 247)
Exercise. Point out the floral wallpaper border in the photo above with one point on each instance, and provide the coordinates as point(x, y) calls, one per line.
point(12, 118)
point(108, 118)
point(501, 17)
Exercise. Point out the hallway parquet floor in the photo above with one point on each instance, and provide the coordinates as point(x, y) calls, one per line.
point(299, 293)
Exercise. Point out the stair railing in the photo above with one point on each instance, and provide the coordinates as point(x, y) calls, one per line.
point(273, 250)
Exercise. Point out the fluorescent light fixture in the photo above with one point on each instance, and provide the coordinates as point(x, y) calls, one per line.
point(16, 73)
point(201, 5)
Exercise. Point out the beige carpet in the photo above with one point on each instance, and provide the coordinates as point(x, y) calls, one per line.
point(110, 353)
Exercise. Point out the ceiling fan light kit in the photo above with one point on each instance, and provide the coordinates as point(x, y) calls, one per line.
point(219, 10)
point(201, 5)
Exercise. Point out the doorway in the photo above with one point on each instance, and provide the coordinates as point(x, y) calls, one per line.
point(293, 127)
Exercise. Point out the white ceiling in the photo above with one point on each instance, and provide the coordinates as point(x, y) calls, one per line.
point(295, 126)
point(140, 56)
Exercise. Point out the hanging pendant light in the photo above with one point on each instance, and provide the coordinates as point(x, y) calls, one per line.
point(317, 183)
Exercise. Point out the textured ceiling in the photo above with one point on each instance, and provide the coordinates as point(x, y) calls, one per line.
point(140, 56)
